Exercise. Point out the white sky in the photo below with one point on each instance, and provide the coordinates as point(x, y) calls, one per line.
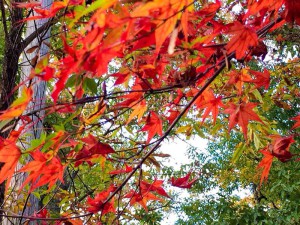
point(178, 151)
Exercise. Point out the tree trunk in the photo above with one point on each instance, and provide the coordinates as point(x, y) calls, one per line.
point(32, 204)
point(8, 77)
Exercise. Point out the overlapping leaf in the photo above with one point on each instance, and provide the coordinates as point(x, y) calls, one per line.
point(43, 169)
point(243, 38)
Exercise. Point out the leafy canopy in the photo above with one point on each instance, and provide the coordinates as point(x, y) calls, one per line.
point(125, 75)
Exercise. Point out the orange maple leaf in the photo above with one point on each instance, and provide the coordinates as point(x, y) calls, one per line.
point(263, 7)
point(164, 30)
point(241, 114)
point(141, 198)
point(43, 170)
point(211, 106)
point(18, 106)
point(138, 110)
point(237, 78)
point(168, 15)
point(243, 38)
point(9, 155)
point(153, 126)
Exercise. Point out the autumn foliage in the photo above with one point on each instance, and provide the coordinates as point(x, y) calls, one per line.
point(122, 77)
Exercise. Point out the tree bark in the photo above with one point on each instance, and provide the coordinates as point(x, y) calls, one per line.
point(36, 33)
point(8, 76)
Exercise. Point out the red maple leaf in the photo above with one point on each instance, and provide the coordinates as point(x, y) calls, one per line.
point(42, 214)
point(156, 186)
point(297, 124)
point(211, 105)
point(153, 126)
point(97, 204)
point(121, 77)
point(30, 4)
point(243, 38)
point(68, 66)
point(92, 149)
point(183, 182)
point(292, 9)
point(266, 164)
point(127, 169)
point(141, 198)
point(262, 79)
point(241, 114)
point(173, 114)
point(208, 12)
point(280, 148)
point(131, 99)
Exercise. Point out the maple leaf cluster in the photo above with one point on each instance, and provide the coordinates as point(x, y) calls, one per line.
point(146, 193)
point(177, 66)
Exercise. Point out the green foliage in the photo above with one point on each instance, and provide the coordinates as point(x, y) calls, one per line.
point(227, 191)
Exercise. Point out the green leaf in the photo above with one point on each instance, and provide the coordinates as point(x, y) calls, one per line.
point(3, 123)
point(71, 81)
point(36, 142)
point(257, 95)
point(256, 139)
point(238, 151)
point(36, 194)
point(90, 84)
point(46, 199)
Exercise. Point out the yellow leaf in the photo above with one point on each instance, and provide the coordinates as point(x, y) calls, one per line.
point(99, 110)
point(143, 10)
point(139, 111)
